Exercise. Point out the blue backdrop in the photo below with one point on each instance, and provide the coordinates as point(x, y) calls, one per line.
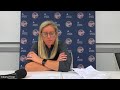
point(76, 28)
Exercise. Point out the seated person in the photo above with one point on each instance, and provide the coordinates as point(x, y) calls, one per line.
point(48, 54)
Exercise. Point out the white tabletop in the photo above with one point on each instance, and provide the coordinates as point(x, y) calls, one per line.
point(60, 75)
point(113, 74)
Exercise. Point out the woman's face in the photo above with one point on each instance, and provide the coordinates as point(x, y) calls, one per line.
point(49, 35)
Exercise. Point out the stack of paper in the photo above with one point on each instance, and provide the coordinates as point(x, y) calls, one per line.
point(90, 73)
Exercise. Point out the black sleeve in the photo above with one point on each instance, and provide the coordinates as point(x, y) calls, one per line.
point(64, 66)
point(34, 48)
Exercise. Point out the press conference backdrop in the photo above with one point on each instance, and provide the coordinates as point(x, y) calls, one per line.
point(76, 29)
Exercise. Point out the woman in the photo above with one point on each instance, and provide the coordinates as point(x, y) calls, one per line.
point(48, 53)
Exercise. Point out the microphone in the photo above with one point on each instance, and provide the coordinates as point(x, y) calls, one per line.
point(18, 74)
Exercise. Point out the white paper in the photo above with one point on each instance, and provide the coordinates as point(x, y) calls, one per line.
point(90, 73)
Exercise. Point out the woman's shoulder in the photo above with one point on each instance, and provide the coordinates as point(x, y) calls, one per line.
point(34, 47)
point(61, 43)
point(35, 44)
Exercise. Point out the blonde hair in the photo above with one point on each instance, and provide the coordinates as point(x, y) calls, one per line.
point(42, 51)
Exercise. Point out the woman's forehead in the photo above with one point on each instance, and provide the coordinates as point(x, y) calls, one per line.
point(48, 28)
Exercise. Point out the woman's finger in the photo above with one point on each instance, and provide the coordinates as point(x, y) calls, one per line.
point(29, 58)
point(64, 57)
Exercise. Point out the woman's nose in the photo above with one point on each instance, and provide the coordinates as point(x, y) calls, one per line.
point(48, 35)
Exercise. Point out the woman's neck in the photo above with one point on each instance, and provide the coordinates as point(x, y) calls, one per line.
point(49, 46)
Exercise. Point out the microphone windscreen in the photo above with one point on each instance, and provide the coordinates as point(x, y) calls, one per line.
point(21, 73)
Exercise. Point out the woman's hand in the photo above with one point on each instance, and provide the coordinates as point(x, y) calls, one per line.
point(62, 57)
point(32, 56)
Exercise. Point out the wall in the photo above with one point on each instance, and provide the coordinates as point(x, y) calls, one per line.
point(9, 56)
point(107, 26)
point(9, 26)
point(10, 38)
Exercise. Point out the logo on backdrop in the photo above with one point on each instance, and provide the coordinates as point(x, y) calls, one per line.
point(68, 41)
point(80, 49)
point(80, 66)
point(80, 15)
point(35, 15)
point(91, 41)
point(23, 58)
point(57, 15)
point(91, 58)
point(24, 23)
point(91, 24)
point(35, 32)
point(68, 24)
point(81, 32)
point(23, 41)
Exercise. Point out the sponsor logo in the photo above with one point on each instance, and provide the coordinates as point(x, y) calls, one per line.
point(80, 15)
point(46, 16)
point(91, 58)
point(68, 41)
point(23, 40)
point(68, 16)
point(80, 66)
point(91, 24)
point(23, 58)
point(35, 15)
point(24, 16)
point(91, 41)
point(81, 32)
point(80, 49)
point(24, 23)
point(57, 15)
point(68, 24)
point(35, 32)
point(59, 32)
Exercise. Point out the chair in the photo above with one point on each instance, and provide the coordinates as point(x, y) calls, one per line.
point(72, 60)
point(117, 55)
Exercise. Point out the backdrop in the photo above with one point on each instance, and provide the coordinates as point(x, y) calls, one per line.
point(76, 28)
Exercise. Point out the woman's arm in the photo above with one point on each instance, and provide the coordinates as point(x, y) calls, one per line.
point(49, 65)
point(37, 62)
point(61, 64)
point(64, 66)
point(32, 66)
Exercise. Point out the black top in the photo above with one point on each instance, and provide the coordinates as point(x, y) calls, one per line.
point(64, 66)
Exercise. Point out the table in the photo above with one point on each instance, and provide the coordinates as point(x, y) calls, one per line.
point(59, 75)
